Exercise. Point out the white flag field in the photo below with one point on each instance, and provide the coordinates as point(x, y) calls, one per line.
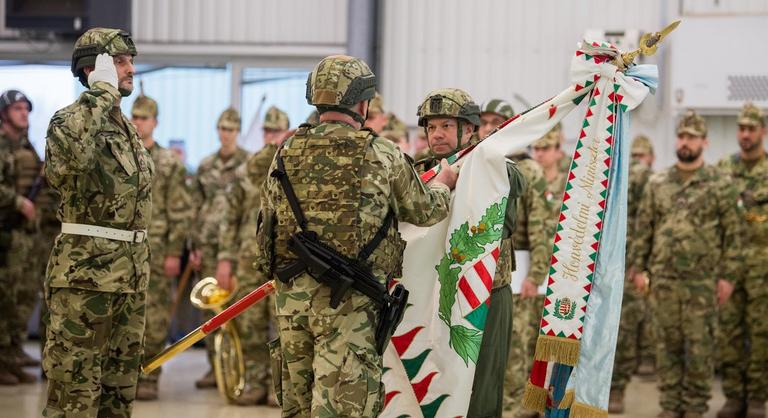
point(448, 268)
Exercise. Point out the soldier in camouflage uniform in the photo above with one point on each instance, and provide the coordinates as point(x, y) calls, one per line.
point(16, 213)
point(377, 117)
point(396, 131)
point(237, 238)
point(743, 327)
point(634, 324)
point(347, 182)
point(530, 240)
point(99, 267)
point(450, 118)
point(171, 214)
point(687, 238)
point(214, 175)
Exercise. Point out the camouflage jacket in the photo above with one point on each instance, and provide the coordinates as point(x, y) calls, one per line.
point(687, 229)
point(10, 201)
point(96, 161)
point(518, 188)
point(385, 182)
point(211, 183)
point(639, 174)
point(752, 186)
point(553, 195)
point(533, 217)
point(237, 232)
point(171, 204)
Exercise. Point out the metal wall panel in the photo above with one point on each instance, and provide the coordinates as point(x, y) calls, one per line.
point(500, 48)
point(261, 22)
point(724, 7)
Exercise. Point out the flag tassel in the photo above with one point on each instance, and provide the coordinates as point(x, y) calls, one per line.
point(557, 349)
point(580, 410)
point(534, 398)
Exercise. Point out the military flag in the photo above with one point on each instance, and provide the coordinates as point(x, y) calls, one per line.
point(449, 267)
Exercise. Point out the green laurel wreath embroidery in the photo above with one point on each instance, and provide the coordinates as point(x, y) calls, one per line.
point(571, 313)
point(467, 244)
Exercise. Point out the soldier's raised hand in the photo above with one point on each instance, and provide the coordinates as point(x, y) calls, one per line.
point(446, 175)
point(104, 70)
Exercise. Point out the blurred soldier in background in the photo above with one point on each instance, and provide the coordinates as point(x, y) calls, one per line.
point(237, 238)
point(396, 131)
point(687, 239)
point(743, 326)
point(99, 267)
point(19, 166)
point(171, 215)
point(530, 243)
point(214, 175)
point(377, 117)
point(634, 339)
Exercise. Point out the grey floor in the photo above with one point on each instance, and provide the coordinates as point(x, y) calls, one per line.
point(179, 398)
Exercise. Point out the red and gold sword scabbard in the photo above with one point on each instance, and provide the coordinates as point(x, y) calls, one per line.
point(208, 327)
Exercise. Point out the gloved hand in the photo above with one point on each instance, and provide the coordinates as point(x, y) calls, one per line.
point(104, 70)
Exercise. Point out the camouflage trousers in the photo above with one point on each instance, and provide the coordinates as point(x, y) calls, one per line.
point(208, 269)
point(8, 286)
point(329, 365)
point(525, 326)
point(254, 327)
point(684, 313)
point(158, 315)
point(743, 340)
point(93, 353)
point(634, 337)
point(24, 267)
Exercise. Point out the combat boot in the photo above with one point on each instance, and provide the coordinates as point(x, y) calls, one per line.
point(616, 402)
point(733, 408)
point(756, 409)
point(251, 396)
point(206, 382)
point(146, 390)
point(668, 414)
point(646, 368)
point(20, 374)
point(7, 378)
point(693, 415)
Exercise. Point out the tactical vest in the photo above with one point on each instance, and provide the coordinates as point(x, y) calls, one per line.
point(27, 167)
point(326, 172)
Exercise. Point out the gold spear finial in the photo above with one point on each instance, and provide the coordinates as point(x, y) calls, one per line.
point(649, 42)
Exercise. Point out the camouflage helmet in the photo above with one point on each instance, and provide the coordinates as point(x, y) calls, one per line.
point(10, 97)
point(499, 107)
point(376, 105)
point(145, 107)
point(276, 119)
point(340, 81)
point(550, 139)
point(751, 115)
point(449, 102)
point(693, 124)
point(229, 119)
point(98, 41)
point(641, 145)
point(395, 125)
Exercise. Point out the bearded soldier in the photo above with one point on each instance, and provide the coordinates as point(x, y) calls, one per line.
point(687, 237)
point(99, 267)
point(346, 189)
point(450, 118)
point(743, 329)
point(237, 238)
point(531, 241)
point(214, 175)
point(16, 213)
point(171, 214)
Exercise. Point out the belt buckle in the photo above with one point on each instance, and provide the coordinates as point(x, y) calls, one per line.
point(139, 236)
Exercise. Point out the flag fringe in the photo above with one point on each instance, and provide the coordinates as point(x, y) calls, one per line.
point(534, 398)
point(567, 400)
point(581, 410)
point(558, 349)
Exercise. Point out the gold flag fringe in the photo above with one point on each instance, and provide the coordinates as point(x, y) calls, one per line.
point(580, 410)
point(534, 398)
point(557, 349)
point(567, 400)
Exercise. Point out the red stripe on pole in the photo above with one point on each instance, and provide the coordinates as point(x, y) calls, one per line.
point(238, 307)
point(468, 293)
